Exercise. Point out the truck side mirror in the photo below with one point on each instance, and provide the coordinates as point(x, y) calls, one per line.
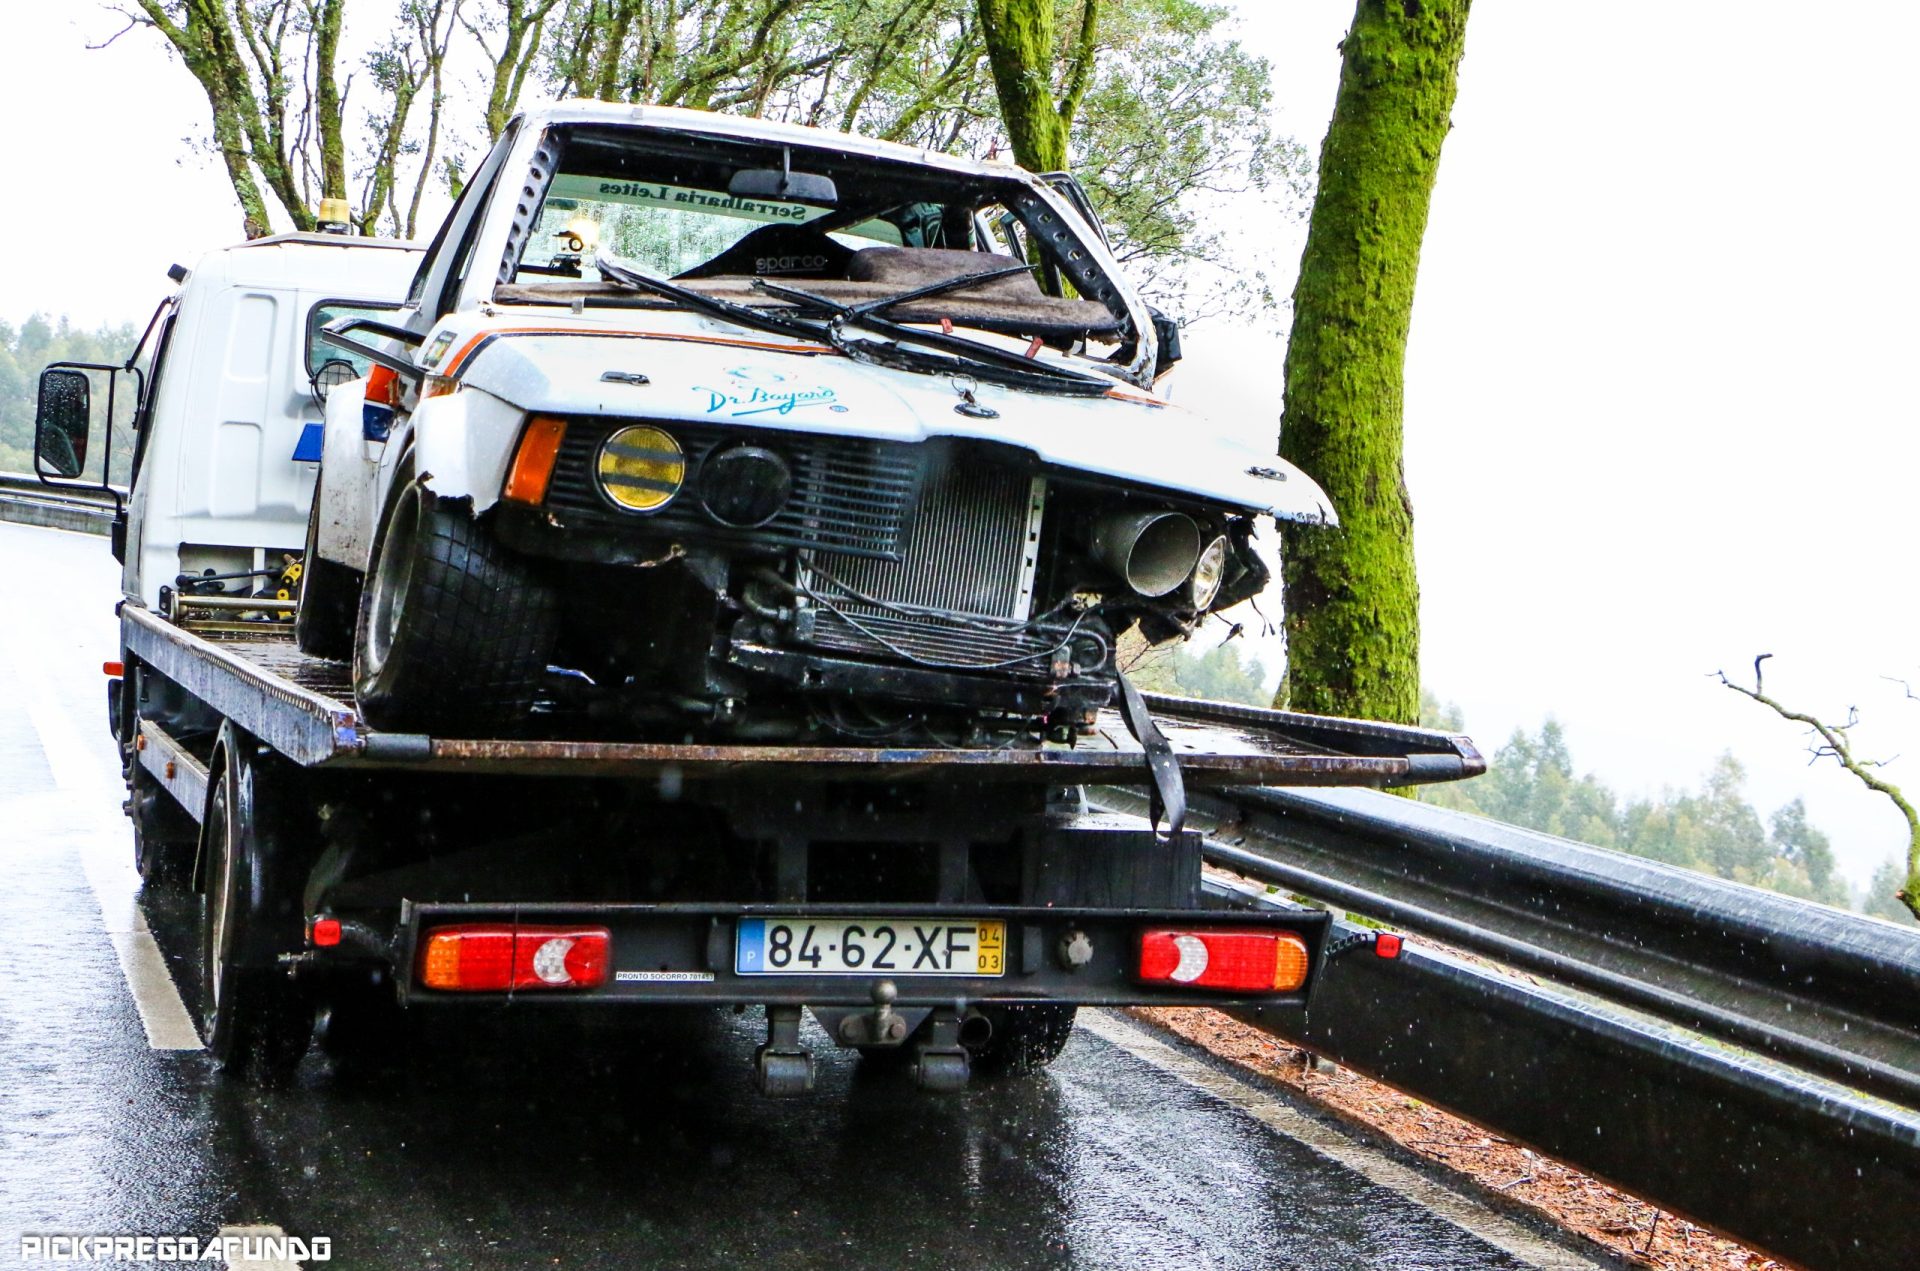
point(61, 421)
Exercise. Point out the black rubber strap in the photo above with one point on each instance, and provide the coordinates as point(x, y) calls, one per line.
point(1169, 795)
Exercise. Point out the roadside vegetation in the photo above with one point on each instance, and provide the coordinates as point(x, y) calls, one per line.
point(1533, 782)
point(1711, 827)
point(24, 349)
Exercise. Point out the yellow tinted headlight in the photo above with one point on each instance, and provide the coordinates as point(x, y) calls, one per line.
point(641, 468)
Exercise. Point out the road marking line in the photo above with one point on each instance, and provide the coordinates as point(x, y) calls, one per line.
point(77, 774)
point(258, 1264)
point(1370, 1163)
point(155, 996)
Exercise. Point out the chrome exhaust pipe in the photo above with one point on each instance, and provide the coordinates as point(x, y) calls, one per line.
point(1153, 551)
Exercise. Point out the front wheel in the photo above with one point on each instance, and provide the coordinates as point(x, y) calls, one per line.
point(455, 629)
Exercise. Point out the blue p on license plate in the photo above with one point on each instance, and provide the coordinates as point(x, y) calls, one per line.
point(870, 946)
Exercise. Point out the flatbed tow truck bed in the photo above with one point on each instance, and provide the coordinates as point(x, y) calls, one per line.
point(972, 901)
point(302, 706)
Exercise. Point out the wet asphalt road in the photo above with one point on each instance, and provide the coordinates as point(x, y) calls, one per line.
point(538, 1140)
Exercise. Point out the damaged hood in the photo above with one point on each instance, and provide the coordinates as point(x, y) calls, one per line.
point(682, 367)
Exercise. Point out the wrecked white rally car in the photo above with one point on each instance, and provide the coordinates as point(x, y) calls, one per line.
point(701, 425)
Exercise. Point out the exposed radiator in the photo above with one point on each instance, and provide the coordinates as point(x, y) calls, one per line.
point(972, 547)
point(971, 550)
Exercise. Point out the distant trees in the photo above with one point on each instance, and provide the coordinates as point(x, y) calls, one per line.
point(1218, 674)
point(24, 349)
point(1883, 892)
point(1532, 782)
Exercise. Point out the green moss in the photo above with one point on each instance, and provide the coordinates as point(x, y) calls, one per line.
point(1352, 600)
point(1020, 36)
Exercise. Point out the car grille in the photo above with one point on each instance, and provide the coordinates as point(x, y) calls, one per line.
point(850, 496)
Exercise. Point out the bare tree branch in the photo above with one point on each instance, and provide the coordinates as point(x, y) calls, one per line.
point(1834, 743)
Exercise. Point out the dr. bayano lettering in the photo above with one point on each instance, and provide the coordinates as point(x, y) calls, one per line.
point(700, 198)
point(761, 402)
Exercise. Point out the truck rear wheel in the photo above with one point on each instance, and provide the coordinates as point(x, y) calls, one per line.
point(329, 598)
point(164, 836)
point(255, 1020)
point(454, 629)
point(1025, 1039)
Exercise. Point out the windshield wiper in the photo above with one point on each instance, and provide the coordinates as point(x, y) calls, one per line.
point(624, 275)
point(1014, 367)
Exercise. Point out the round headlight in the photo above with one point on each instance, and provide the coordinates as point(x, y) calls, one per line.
point(641, 468)
point(1207, 575)
point(744, 486)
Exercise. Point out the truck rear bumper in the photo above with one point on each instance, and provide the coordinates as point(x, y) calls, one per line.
point(687, 954)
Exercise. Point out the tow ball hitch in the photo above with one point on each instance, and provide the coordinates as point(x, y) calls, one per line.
point(941, 1062)
point(783, 1067)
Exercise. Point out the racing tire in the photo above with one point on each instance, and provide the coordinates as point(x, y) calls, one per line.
point(454, 629)
point(255, 1020)
point(1025, 1038)
point(165, 839)
point(329, 598)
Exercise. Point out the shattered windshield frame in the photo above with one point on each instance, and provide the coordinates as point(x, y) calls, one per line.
point(901, 239)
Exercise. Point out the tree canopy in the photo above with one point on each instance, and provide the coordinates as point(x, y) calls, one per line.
point(1152, 102)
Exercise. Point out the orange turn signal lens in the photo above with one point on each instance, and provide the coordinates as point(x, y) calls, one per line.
point(533, 461)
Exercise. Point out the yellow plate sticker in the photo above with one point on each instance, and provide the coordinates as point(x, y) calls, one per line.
point(993, 948)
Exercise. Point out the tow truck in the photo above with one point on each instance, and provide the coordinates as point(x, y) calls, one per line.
point(950, 903)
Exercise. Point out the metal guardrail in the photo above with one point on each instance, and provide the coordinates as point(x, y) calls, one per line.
point(26, 500)
point(1831, 992)
point(1684, 1060)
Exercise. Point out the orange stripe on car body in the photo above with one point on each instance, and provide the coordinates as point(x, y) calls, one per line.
point(458, 361)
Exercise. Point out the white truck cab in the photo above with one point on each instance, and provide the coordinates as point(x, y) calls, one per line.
point(227, 440)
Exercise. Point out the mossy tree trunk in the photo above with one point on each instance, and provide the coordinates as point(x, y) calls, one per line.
point(239, 52)
point(520, 23)
point(1352, 600)
point(1024, 52)
point(328, 109)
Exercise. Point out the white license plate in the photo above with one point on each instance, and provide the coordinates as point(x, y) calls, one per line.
point(869, 946)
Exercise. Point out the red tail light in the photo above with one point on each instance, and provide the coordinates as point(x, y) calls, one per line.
point(496, 956)
point(1232, 958)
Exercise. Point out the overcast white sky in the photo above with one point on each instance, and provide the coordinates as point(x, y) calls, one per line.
point(1660, 411)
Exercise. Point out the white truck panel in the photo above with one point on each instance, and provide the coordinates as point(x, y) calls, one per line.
point(219, 480)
